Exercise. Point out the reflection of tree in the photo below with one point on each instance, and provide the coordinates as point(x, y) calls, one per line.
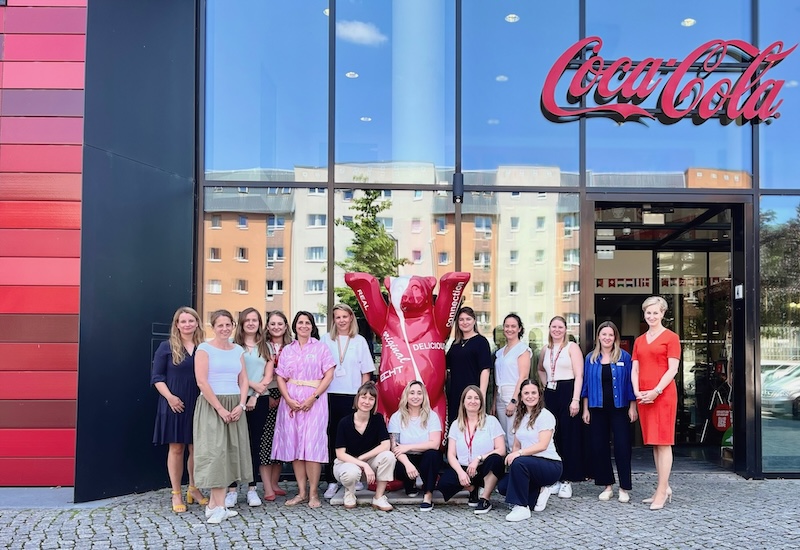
point(373, 250)
point(780, 268)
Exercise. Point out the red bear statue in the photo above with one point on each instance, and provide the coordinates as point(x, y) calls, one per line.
point(413, 331)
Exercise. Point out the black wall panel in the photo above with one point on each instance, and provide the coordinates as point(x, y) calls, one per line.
point(137, 230)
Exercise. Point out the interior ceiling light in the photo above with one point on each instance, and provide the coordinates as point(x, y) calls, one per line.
point(351, 74)
point(366, 119)
point(512, 17)
point(327, 12)
point(501, 78)
point(688, 22)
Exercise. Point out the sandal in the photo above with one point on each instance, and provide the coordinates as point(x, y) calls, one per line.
point(269, 498)
point(299, 499)
point(178, 508)
point(314, 502)
point(191, 498)
point(280, 492)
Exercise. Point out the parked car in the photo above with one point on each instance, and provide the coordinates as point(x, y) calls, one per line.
point(780, 392)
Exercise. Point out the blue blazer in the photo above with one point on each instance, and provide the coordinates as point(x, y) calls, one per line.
point(620, 374)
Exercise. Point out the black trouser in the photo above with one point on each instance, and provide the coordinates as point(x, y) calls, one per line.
point(340, 405)
point(428, 464)
point(449, 484)
point(604, 424)
point(568, 436)
point(255, 428)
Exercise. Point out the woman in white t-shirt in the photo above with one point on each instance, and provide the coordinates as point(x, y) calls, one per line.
point(354, 367)
point(475, 450)
point(533, 463)
point(416, 433)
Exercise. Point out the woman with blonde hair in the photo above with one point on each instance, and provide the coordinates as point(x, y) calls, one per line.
point(656, 357)
point(561, 373)
point(173, 377)
point(222, 445)
point(416, 434)
point(354, 367)
point(475, 449)
point(609, 407)
point(533, 462)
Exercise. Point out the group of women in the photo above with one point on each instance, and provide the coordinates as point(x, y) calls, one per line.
point(252, 398)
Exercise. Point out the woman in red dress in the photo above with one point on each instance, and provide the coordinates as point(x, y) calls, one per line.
point(656, 356)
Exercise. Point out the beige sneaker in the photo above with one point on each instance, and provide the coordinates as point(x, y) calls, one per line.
point(350, 500)
point(382, 504)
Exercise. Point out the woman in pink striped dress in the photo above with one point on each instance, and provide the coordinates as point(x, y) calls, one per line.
point(304, 372)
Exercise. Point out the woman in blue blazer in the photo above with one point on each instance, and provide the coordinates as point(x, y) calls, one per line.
point(609, 408)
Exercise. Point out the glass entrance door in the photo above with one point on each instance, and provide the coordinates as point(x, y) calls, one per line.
point(683, 253)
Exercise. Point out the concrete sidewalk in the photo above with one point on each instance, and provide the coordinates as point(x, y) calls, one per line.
point(709, 510)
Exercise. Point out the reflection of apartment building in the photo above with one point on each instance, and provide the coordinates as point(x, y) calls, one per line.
point(567, 299)
point(246, 231)
point(479, 251)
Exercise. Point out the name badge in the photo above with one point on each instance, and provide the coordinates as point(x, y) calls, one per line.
point(552, 385)
point(620, 364)
point(339, 371)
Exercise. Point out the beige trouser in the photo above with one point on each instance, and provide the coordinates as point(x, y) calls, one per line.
point(348, 474)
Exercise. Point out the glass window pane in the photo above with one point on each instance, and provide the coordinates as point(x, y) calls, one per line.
point(266, 93)
point(274, 263)
point(660, 152)
point(780, 164)
point(506, 56)
point(395, 91)
point(780, 333)
point(541, 275)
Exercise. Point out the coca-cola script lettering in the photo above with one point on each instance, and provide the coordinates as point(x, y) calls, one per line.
point(621, 85)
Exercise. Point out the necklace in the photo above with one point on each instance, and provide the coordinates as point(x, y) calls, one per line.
point(464, 341)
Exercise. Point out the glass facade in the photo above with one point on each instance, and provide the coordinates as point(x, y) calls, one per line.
point(320, 115)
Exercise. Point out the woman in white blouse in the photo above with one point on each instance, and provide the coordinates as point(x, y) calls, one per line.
point(416, 433)
point(512, 366)
point(354, 367)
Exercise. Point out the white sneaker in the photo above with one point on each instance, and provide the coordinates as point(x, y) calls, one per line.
point(541, 502)
point(382, 504)
point(230, 498)
point(228, 513)
point(217, 515)
point(252, 498)
point(519, 513)
point(359, 486)
point(555, 487)
point(350, 500)
point(331, 491)
point(566, 490)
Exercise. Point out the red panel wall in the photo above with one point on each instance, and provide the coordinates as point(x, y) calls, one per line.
point(42, 54)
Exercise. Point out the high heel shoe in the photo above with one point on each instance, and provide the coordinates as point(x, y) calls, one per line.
point(178, 508)
point(650, 500)
point(190, 497)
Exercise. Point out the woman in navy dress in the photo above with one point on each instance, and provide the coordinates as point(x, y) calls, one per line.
point(173, 377)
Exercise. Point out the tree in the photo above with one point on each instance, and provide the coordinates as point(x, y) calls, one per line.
point(779, 272)
point(373, 250)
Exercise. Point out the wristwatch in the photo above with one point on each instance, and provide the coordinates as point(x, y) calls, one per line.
point(513, 401)
point(658, 391)
point(242, 405)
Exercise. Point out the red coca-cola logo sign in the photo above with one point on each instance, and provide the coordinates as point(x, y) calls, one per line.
point(621, 85)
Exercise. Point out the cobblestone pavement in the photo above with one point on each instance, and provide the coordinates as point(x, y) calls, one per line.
point(709, 510)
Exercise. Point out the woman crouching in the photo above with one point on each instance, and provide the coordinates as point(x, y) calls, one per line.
point(475, 450)
point(362, 445)
point(533, 463)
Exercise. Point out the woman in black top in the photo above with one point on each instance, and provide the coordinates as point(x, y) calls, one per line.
point(362, 444)
point(468, 361)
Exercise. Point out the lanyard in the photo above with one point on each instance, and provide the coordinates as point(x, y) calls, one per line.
point(276, 348)
point(469, 440)
point(553, 361)
point(342, 353)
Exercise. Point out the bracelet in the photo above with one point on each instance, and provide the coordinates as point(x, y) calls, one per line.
point(657, 390)
point(574, 400)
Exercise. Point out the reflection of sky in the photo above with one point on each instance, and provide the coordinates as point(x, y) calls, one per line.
point(267, 85)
